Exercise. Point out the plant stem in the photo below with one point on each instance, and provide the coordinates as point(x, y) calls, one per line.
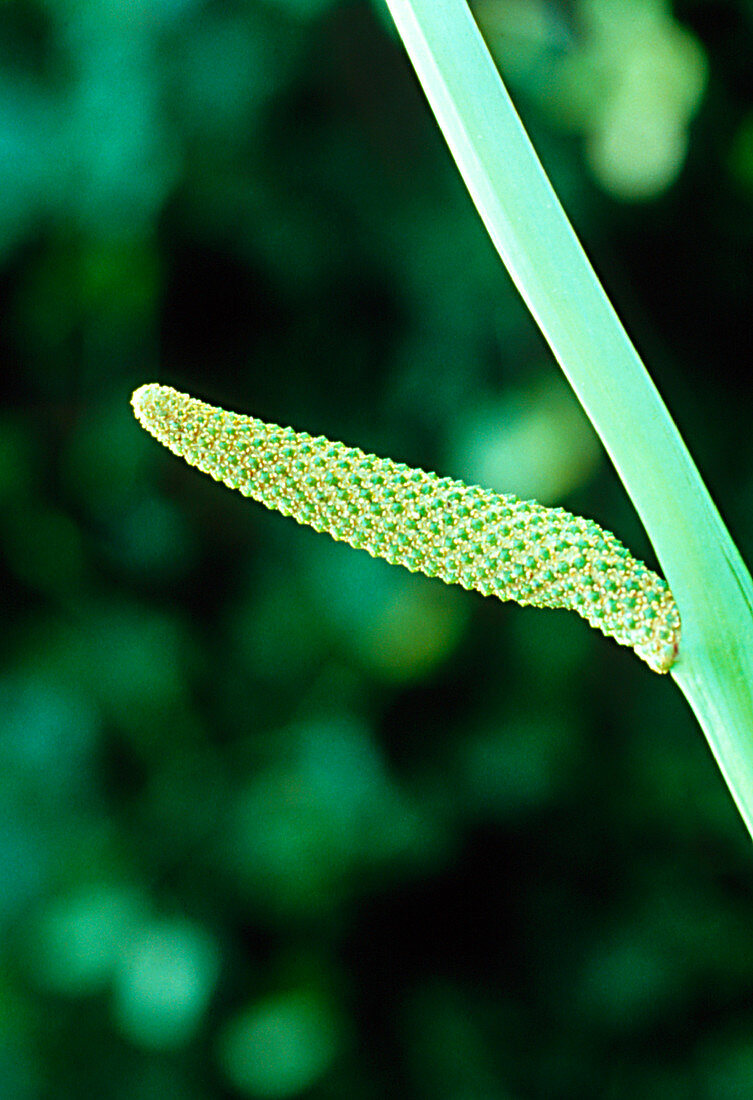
point(533, 236)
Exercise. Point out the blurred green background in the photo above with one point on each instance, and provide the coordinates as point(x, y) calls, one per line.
point(278, 820)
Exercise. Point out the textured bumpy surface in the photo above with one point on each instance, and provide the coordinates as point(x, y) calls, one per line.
point(494, 543)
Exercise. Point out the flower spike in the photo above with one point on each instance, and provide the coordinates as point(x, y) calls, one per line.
point(483, 540)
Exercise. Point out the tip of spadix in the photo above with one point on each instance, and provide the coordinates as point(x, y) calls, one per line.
point(144, 396)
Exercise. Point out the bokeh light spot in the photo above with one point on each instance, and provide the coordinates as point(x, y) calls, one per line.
point(163, 983)
point(280, 1046)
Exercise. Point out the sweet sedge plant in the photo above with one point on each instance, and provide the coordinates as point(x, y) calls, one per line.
point(498, 544)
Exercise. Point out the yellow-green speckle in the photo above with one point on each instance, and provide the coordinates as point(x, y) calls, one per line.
point(483, 540)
